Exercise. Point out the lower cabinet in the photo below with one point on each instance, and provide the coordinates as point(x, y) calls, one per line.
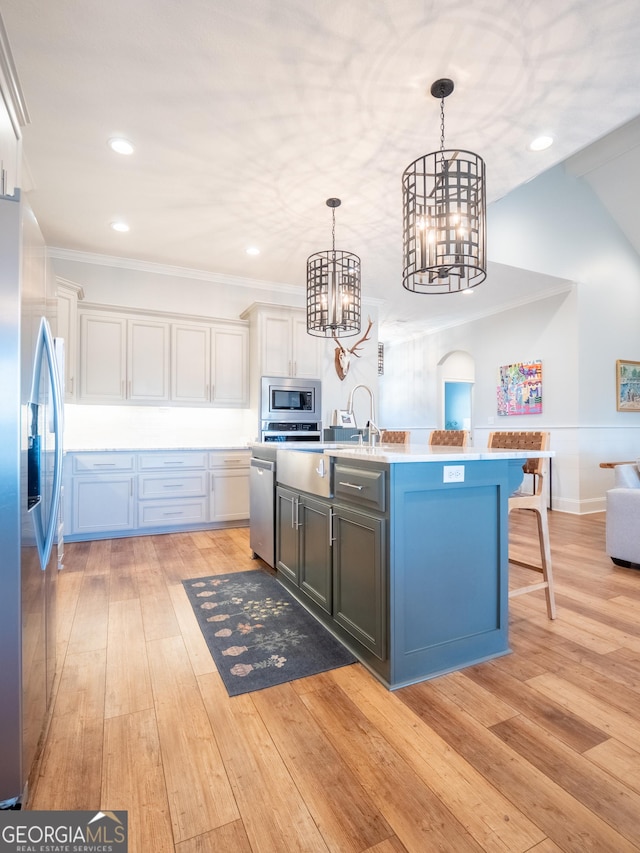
point(359, 589)
point(118, 493)
point(335, 557)
point(102, 492)
point(103, 504)
point(229, 498)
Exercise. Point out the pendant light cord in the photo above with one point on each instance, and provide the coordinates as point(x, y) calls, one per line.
point(333, 229)
point(442, 132)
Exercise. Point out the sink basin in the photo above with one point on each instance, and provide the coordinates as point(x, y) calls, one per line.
point(305, 471)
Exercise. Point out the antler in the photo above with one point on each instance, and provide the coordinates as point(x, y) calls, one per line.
point(338, 341)
point(362, 339)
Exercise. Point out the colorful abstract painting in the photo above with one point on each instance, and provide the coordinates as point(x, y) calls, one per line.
point(520, 388)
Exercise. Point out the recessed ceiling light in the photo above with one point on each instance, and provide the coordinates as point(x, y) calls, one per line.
point(540, 143)
point(121, 146)
point(252, 250)
point(468, 292)
point(120, 226)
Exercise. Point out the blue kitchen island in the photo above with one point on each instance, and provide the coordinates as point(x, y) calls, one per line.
point(402, 552)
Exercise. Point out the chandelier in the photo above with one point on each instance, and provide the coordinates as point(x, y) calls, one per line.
point(444, 216)
point(333, 289)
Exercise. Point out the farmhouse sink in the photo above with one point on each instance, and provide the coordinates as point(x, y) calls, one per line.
point(306, 470)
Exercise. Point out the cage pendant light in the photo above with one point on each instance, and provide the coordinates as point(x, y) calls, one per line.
point(444, 216)
point(333, 289)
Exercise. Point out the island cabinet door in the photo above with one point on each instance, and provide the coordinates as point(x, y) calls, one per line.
point(359, 582)
point(315, 551)
point(287, 526)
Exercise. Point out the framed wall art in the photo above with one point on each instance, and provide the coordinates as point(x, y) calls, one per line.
point(627, 386)
point(345, 418)
point(520, 388)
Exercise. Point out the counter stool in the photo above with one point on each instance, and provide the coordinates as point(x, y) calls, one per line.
point(449, 437)
point(536, 502)
point(394, 436)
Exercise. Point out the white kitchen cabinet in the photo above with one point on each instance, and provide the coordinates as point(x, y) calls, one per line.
point(190, 363)
point(229, 498)
point(147, 361)
point(11, 116)
point(68, 295)
point(172, 489)
point(128, 493)
point(123, 358)
point(229, 494)
point(229, 366)
point(283, 346)
point(209, 364)
point(103, 358)
point(102, 493)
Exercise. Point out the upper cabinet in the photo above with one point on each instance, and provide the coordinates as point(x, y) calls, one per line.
point(209, 364)
point(68, 295)
point(13, 116)
point(283, 347)
point(135, 358)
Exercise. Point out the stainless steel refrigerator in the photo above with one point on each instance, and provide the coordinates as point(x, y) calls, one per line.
point(30, 488)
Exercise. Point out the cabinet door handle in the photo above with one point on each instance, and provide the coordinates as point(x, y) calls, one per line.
point(350, 485)
point(332, 538)
point(71, 385)
point(173, 462)
point(173, 486)
point(104, 464)
point(122, 392)
point(211, 394)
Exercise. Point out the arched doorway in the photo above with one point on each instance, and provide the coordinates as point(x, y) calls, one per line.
point(456, 375)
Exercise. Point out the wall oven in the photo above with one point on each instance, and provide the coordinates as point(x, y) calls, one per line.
point(290, 431)
point(290, 409)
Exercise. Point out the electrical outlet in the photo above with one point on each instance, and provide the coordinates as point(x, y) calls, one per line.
point(453, 474)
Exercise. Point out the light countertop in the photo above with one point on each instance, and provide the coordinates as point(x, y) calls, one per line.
point(393, 453)
point(164, 448)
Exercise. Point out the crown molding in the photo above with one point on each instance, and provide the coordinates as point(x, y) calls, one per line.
point(182, 272)
point(167, 269)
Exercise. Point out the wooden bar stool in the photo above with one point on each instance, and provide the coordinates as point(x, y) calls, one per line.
point(535, 502)
point(449, 438)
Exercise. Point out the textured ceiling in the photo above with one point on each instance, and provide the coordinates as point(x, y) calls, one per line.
point(248, 114)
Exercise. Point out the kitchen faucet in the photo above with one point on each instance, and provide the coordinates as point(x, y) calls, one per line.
point(374, 432)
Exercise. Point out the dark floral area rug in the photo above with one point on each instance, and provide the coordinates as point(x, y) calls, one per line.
point(258, 634)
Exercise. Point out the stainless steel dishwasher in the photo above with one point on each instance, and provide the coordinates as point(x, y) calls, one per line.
point(262, 504)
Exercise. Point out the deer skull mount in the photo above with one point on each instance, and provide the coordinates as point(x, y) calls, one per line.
point(343, 356)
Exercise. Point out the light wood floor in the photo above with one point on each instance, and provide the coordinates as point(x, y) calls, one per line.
point(536, 751)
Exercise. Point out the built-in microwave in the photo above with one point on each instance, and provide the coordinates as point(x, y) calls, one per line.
point(284, 399)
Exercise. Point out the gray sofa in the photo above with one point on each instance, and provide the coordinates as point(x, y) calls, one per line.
point(623, 517)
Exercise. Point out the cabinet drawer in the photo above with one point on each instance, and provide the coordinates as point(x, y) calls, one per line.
point(168, 485)
point(178, 460)
point(229, 459)
point(107, 462)
point(365, 488)
point(172, 512)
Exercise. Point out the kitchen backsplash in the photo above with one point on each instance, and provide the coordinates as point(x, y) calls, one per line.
point(114, 427)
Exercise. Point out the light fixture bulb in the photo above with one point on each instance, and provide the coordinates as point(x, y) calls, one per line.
point(121, 227)
point(121, 145)
point(252, 250)
point(541, 143)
